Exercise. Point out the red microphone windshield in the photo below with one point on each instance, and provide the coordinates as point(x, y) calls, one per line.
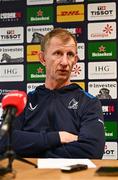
point(15, 98)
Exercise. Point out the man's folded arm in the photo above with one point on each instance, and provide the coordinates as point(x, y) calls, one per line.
point(31, 144)
point(91, 137)
point(91, 147)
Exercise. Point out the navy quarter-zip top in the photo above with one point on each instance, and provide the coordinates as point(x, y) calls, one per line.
point(71, 109)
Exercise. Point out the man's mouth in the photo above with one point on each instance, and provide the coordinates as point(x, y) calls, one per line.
point(63, 70)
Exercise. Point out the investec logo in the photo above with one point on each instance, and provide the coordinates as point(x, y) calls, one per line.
point(42, 29)
point(101, 11)
point(104, 30)
point(32, 86)
point(4, 91)
point(103, 87)
point(69, 13)
point(31, 30)
point(11, 35)
point(11, 54)
point(10, 16)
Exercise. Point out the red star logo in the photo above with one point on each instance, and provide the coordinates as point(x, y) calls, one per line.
point(40, 13)
point(39, 70)
point(101, 48)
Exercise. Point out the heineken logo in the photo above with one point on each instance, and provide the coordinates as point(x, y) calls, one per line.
point(102, 50)
point(111, 130)
point(40, 16)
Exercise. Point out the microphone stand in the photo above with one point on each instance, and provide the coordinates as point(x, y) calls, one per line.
point(10, 154)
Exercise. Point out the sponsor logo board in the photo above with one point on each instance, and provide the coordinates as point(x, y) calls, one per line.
point(101, 70)
point(36, 72)
point(36, 33)
point(78, 71)
point(11, 35)
point(102, 50)
point(11, 16)
point(11, 54)
point(110, 151)
point(103, 89)
point(11, 73)
point(101, 11)
point(36, 2)
point(78, 32)
point(111, 130)
point(110, 109)
point(7, 87)
point(101, 30)
point(70, 13)
point(70, 1)
point(32, 86)
point(81, 51)
point(33, 53)
point(40, 14)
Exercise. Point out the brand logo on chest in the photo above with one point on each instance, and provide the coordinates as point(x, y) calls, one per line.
point(73, 104)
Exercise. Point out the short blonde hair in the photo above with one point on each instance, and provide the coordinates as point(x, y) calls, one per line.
point(61, 33)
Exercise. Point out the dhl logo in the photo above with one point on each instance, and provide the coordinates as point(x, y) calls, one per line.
point(70, 13)
point(33, 53)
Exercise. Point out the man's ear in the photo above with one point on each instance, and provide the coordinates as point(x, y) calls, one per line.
point(76, 59)
point(41, 57)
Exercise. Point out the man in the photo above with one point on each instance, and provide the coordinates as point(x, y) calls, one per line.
point(60, 119)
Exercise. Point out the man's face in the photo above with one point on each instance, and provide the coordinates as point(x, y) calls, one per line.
point(59, 59)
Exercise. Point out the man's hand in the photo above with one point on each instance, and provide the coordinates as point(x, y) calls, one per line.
point(66, 137)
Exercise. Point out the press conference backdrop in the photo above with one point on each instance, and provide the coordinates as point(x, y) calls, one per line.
point(23, 23)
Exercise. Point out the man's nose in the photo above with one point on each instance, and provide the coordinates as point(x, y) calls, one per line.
point(64, 59)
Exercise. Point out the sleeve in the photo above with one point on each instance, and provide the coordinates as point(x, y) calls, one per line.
point(31, 144)
point(91, 136)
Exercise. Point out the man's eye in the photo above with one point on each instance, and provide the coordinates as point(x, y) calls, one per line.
point(71, 55)
point(58, 53)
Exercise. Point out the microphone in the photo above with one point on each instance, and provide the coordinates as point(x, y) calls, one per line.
point(13, 105)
